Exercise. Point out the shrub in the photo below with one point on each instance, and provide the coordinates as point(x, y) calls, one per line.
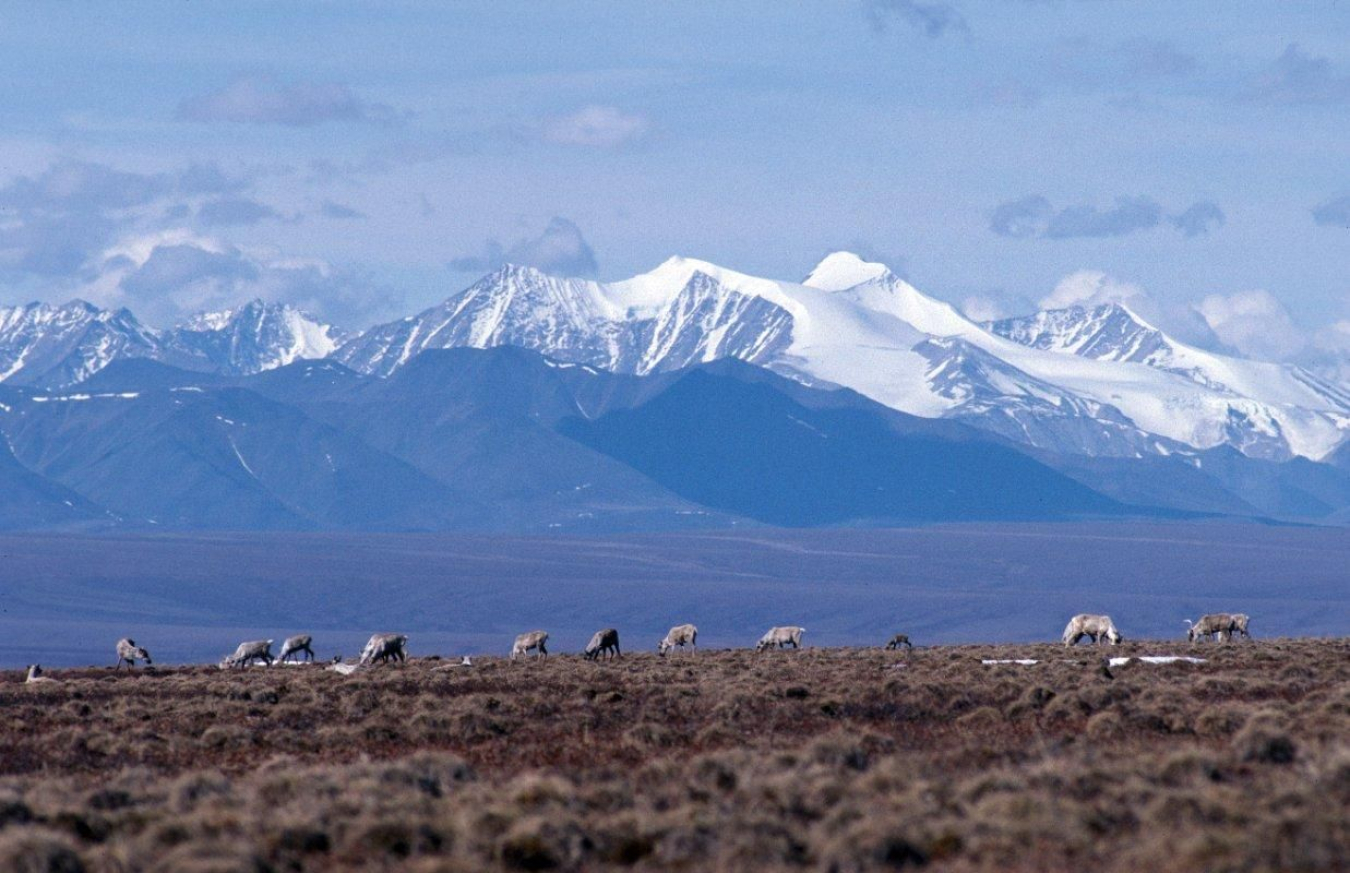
point(36, 850)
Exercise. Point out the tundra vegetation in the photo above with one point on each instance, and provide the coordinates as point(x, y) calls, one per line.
point(822, 759)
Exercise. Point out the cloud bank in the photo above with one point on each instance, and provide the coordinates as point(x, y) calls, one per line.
point(560, 250)
point(1333, 213)
point(262, 100)
point(1297, 78)
point(596, 126)
point(1033, 216)
point(931, 19)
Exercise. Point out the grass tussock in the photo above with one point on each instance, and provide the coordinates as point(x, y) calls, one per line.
point(823, 759)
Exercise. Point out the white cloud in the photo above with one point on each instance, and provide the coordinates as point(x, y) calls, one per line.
point(167, 275)
point(1090, 288)
point(560, 250)
point(596, 126)
point(266, 101)
point(1329, 355)
point(994, 305)
point(979, 308)
point(1253, 322)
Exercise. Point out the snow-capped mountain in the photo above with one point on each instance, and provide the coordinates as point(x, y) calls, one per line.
point(254, 337)
point(52, 346)
point(1109, 332)
point(610, 327)
point(1088, 381)
point(1094, 381)
point(47, 345)
point(1267, 404)
point(994, 395)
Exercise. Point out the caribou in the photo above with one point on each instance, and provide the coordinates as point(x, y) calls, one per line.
point(603, 642)
point(129, 653)
point(1097, 627)
point(781, 636)
point(297, 645)
point(528, 642)
point(247, 653)
point(1217, 624)
point(384, 647)
point(679, 635)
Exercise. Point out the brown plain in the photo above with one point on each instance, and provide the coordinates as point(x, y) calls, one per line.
point(823, 759)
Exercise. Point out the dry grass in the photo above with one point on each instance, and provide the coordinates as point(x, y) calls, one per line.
point(824, 759)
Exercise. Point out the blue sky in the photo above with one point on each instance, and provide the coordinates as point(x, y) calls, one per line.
point(367, 160)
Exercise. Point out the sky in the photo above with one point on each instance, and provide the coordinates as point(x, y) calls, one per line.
point(368, 160)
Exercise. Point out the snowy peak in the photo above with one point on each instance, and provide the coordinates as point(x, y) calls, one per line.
point(56, 345)
point(707, 322)
point(1109, 332)
point(253, 337)
point(513, 306)
point(679, 314)
point(841, 270)
point(49, 345)
point(1086, 380)
point(1096, 380)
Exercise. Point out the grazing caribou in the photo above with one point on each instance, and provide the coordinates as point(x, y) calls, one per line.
point(298, 644)
point(129, 653)
point(383, 648)
point(247, 653)
point(781, 636)
point(1096, 627)
point(603, 642)
point(679, 635)
point(527, 642)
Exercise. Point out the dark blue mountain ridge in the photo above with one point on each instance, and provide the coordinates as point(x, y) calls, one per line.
point(483, 422)
point(1340, 459)
point(28, 500)
point(505, 439)
point(748, 448)
point(223, 458)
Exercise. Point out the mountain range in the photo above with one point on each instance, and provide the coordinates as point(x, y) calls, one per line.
point(690, 395)
point(56, 346)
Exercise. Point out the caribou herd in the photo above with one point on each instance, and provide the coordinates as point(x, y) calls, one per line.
point(383, 648)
